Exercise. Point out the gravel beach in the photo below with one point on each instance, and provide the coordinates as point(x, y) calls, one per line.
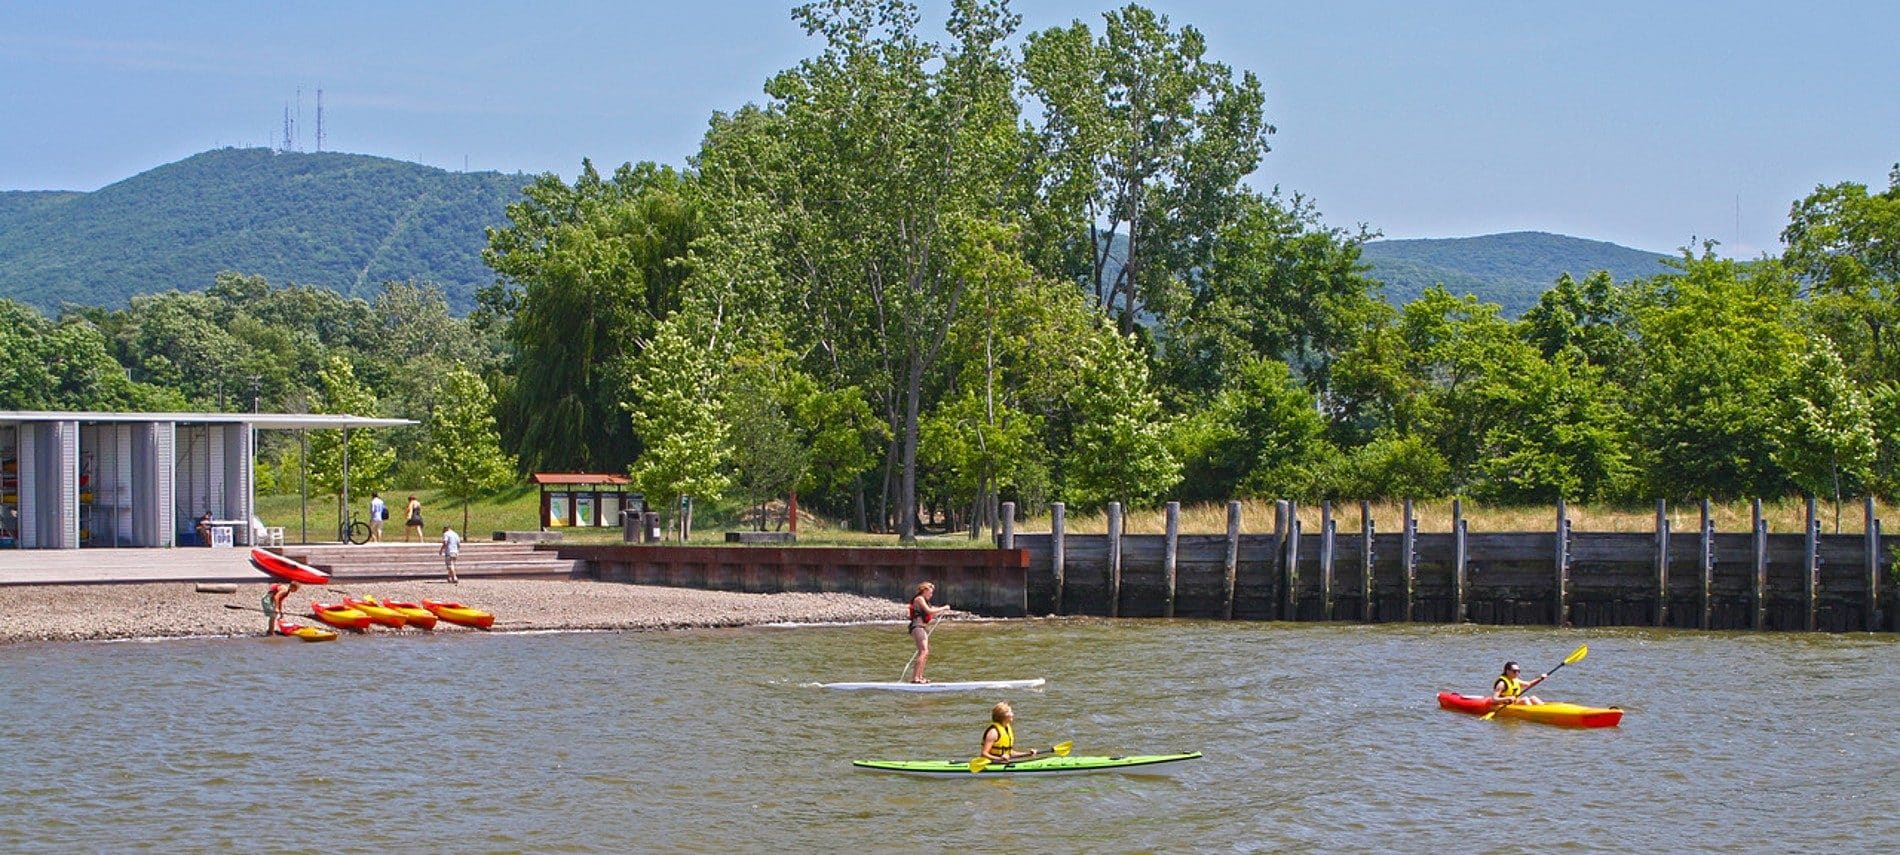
point(171, 609)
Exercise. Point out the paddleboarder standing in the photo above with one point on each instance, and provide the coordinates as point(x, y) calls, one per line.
point(922, 617)
point(274, 606)
point(1508, 689)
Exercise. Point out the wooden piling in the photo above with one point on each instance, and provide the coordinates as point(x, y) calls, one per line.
point(1057, 553)
point(1114, 559)
point(1230, 566)
point(1563, 563)
point(1761, 566)
point(1662, 562)
point(1290, 608)
point(1009, 525)
point(1408, 548)
point(1708, 565)
point(1170, 557)
point(1872, 549)
point(1458, 557)
point(1811, 563)
point(1326, 534)
point(1366, 610)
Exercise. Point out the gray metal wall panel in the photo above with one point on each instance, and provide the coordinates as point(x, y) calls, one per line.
point(165, 481)
point(27, 451)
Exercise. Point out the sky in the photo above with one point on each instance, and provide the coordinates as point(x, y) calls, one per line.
point(1651, 125)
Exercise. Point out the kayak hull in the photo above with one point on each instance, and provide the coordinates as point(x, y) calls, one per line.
point(341, 617)
point(378, 613)
point(308, 633)
point(1556, 713)
point(457, 613)
point(964, 686)
point(271, 564)
point(1051, 765)
point(412, 614)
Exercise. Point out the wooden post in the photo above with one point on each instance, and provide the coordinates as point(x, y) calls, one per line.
point(1761, 567)
point(1708, 566)
point(1230, 568)
point(1057, 552)
point(1367, 613)
point(1290, 609)
point(1563, 563)
point(1662, 562)
point(1326, 534)
point(1114, 559)
point(1811, 563)
point(1458, 560)
point(1009, 525)
point(1280, 528)
point(1872, 548)
point(1171, 555)
point(1408, 549)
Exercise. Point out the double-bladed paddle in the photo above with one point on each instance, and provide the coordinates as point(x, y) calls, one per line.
point(1060, 749)
point(262, 612)
point(1581, 651)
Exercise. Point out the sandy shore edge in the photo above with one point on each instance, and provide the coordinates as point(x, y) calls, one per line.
point(34, 613)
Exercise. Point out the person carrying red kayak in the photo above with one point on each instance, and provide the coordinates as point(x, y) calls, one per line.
point(274, 606)
point(1508, 689)
point(922, 614)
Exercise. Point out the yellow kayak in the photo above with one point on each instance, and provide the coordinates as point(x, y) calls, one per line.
point(308, 633)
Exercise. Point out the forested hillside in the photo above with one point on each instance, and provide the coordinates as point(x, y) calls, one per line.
point(346, 222)
point(1511, 269)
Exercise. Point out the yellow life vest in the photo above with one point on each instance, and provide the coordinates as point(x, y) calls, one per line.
point(1512, 686)
point(1005, 739)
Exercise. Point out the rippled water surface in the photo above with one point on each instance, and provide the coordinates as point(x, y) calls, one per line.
point(1318, 737)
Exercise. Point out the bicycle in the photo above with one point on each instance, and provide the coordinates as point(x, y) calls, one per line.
point(355, 531)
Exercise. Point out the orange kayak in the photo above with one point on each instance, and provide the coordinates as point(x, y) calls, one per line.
point(457, 613)
point(1557, 713)
point(341, 617)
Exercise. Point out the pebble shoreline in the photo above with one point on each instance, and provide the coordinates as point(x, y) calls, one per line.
point(35, 613)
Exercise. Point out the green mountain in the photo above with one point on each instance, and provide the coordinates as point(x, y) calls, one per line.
point(344, 221)
point(1511, 269)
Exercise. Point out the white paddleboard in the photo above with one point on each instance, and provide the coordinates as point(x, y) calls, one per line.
point(965, 686)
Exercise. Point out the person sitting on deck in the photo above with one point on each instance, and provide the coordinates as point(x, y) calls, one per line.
point(204, 529)
point(1508, 689)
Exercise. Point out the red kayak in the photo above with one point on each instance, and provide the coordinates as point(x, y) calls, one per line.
point(283, 568)
point(1557, 713)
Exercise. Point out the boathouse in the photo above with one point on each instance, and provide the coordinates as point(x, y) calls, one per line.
point(96, 479)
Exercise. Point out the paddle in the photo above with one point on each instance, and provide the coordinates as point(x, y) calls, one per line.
point(262, 612)
point(1576, 655)
point(1060, 749)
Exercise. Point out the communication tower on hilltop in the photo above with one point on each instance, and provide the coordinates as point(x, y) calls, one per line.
point(286, 146)
point(319, 119)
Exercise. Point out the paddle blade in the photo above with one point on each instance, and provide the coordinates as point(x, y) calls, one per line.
point(1062, 748)
point(978, 764)
point(1582, 651)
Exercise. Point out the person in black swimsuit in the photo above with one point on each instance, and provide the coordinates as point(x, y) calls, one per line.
point(922, 620)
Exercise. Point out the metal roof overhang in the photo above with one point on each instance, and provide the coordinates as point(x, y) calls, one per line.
point(268, 421)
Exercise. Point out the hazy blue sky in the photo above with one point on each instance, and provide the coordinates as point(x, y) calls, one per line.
point(1644, 123)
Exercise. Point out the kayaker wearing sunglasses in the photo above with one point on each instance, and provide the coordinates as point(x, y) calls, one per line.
point(1508, 689)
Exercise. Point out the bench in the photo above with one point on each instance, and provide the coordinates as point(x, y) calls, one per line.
point(529, 536)
point(761, 537)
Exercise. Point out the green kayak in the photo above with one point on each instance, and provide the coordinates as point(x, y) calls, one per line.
point(1051, 765)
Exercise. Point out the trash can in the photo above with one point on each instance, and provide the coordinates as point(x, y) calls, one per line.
point(651, 522)
point(631, 527)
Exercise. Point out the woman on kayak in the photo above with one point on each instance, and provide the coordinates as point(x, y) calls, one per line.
point(922, 614)
point(274, 606)
point(999, 739)
point(1508, 689)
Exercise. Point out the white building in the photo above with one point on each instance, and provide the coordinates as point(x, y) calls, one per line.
point(82, 479)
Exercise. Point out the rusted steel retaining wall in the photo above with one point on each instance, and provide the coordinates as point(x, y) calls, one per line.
point(1697, 579)
point(982, 581)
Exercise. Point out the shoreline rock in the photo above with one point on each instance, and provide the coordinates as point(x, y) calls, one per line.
point(42, 613)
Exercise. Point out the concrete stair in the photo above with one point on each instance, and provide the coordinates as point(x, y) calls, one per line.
point(397, 561)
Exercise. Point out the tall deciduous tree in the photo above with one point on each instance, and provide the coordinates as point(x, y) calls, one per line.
point(1844, 242)
point(464, 454)
point(675, 408)
point(369, 459)
point(1145, 142)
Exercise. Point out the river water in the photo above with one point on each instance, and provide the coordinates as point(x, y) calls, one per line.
point(1318, 738)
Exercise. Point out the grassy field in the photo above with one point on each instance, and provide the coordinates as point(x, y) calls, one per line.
point(519, 510)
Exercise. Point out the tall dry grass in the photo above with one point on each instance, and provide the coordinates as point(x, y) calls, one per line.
point(1256, 516)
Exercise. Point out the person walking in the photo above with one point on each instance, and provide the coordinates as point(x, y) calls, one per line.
point(378, 511)
point(413, 519)
point(451, 547)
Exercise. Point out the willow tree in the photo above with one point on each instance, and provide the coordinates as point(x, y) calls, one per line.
point(587, 272)
point(878, 153)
